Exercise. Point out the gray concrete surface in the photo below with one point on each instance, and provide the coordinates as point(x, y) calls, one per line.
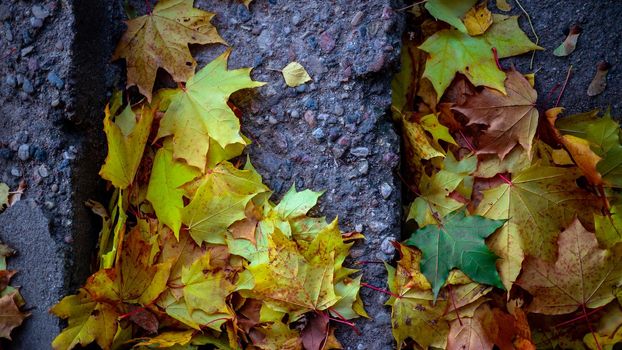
point(55, 77)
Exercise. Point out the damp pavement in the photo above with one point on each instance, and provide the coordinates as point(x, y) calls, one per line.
point(333, 134)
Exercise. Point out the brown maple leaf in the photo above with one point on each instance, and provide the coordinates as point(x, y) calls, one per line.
point(511, 119)
point(160, 40)
point(10, 315)
point(583, 275)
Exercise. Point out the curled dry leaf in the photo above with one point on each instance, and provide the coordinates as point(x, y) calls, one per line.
point(599, 82)
point(570, 43)
point(295, 74)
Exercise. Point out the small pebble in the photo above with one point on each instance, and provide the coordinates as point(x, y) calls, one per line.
point(55, 103)
point(59, 45)
point(25, 51)
point(378, 226)
point(358, 227)
point(356, 19)
point(49, 205)
point(54, 188)
point(363, 167)
point(39, 12)
point(387, 246)
point(55, 80)
point(296, 19)
point(36, 23)
point(272, 120)
point(318, 134)
point(386, 190)
point(294, 114)
point(310, 118)
point(360, 151)
point(27, 86)
point(23, 152)
point(327, 42)
point(43, 171)
point(10, 81)
point(338, 110)
point(16, 172)
point(5, 153)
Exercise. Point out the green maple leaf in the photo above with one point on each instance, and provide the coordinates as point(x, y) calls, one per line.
point(458, 242)
point(452, 52)
point(199, 113)
point(164, 192)
point(450, 11)
point(126, 142)
point(88, 321)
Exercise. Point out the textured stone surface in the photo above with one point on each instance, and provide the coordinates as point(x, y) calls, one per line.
point(332, 134)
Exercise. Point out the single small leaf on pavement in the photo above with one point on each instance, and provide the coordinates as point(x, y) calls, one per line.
point(570, 43)
point(511, 119)
point(295, 74)
point(457, 242)
point(199, 113)
point(4, 195)
point(160, 40)
point(582, 276)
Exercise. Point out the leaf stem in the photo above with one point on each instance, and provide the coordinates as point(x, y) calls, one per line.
point(582, 316)
point(589, 325)
point(533, 30)
point(344, 321)
point(411, 5)
point(564, 86)
point(380, 290)
point(453, 302)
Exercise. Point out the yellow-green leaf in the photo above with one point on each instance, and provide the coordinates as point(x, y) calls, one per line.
point(199, 113)
point(295, 74)
point(126, 137)
point(88, 321)
point(164, 192)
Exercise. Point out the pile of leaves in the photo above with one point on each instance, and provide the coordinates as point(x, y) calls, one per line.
point(515, 222)
point(192, 250)
point(11, 301)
